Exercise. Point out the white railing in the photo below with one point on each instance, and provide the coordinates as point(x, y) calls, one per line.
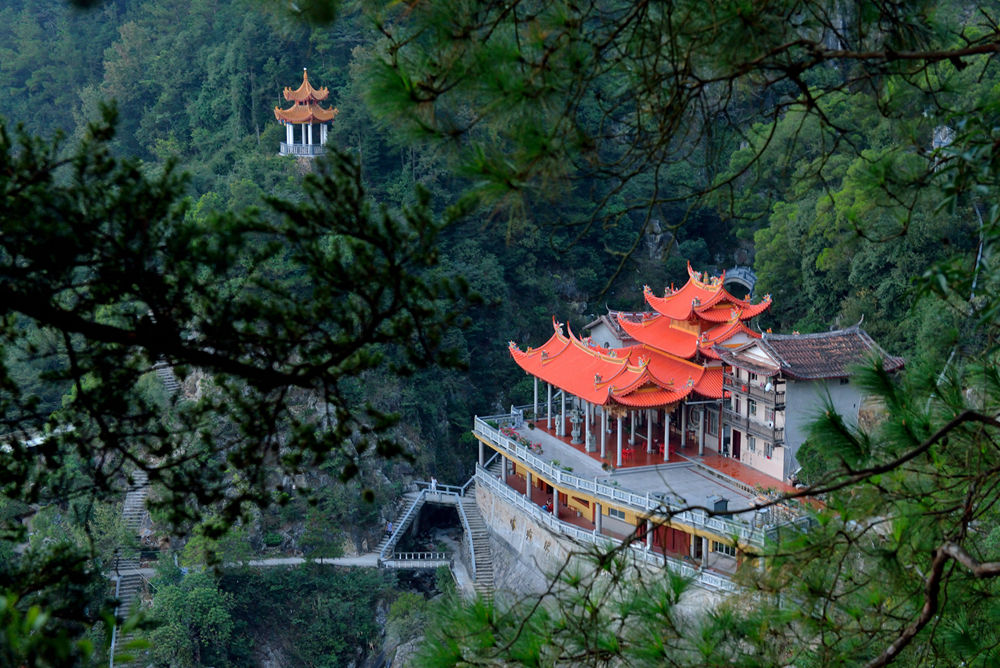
point(418, 560)
point(402, 525)
point(515, 498)
point(724, 528)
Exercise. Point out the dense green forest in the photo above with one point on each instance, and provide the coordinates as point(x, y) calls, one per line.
point(828, 190)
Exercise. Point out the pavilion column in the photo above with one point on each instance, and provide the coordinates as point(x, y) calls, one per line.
point(649, 430)
point(322, 134)
point(561, 430)
point(587, 445)
point(631, 437)
point(666, 435)
point(701, 433)
point(535, 404)
point(310, 133)
point(598, 517)
point(620, 425)
point(303, 137)
point(604, 432)
point(684, 425)
point(548, 412)
point(649, 534)
point(289, 137)
point(527, 484)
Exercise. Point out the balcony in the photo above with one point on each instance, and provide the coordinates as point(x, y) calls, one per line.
point(775, 435)
point(305, 150)
point(771, 398)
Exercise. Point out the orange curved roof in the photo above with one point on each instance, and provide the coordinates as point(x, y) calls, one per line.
point(704, 296)
point(638, 376)
point(661, 333)
point(305, 113)
point(305, 92)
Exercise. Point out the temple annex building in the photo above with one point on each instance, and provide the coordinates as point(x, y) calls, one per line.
point(683, 405)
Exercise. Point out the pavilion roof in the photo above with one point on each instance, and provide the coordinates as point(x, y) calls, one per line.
point(666, 334)
point(305, 92)
point(637, 376)
point(703, 296)
point(305, 113)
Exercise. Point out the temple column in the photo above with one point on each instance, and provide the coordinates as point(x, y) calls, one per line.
point(527, 484)
point(691, 550)
point(619, 441)
point(684, 425)
point(482, 453)
point(561, 430)
point(604, 432)
point(535, 404)
point(704, 551)
point(649, 534)
point(631, 437)
point(649, 430)
point(598, 519)
point(555, 502)
point(587, 445)
point(548, 412)
point(666, 435)
point(701, 433)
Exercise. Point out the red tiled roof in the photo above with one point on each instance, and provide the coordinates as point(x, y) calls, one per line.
point(705, 297)
point(637, 376)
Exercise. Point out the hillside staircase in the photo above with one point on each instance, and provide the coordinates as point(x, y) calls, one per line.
point(479, 537)
point(129, 581)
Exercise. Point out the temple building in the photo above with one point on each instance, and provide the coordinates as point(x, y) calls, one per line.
point(658, 424)
point(777, 385)
point(312, 119)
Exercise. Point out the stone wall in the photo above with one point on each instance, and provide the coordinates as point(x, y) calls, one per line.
point(525, 554)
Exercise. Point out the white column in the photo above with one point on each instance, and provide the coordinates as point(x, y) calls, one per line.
point(289, 137)
point(649, 430)
point(555, 502)
point(561, 430)
point(536, 399)
point(548, 413)
point(527, 484)
point(649, 534)
point(482, 454)
point(604, 431)
point(704, 551)
point(598, 518)
point(322, 134)
point(620, 441)
point(666, 435)
point(302, 125)
point(310, 133)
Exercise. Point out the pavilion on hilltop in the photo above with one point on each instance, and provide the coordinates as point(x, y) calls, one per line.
point(309, 115)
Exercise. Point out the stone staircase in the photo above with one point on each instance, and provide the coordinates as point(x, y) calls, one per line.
point(129, 582)
point(167, 377)
point(409, 499)
point(480, 541)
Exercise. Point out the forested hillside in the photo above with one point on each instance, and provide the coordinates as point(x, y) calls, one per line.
point(503, 165)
